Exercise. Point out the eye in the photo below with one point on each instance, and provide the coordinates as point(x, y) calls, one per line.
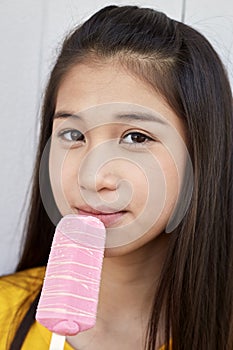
point(71, 135)
point(136, 138)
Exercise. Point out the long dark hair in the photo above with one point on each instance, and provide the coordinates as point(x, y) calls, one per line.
point(196, 283)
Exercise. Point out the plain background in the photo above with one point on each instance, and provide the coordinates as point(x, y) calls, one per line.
point(30, 33)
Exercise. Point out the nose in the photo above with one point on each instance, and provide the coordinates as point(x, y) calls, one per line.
point(97, 181)
point(98, 171)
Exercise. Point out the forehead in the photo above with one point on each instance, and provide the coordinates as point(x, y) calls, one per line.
point(86, 86)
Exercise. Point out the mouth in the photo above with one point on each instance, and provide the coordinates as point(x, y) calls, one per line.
point(108, 218)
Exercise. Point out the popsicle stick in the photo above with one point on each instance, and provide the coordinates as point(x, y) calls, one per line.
point(57, 342)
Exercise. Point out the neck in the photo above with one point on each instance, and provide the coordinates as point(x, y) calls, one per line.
point(129, 282)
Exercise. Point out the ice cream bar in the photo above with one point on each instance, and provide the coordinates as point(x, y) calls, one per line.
point(69, 297)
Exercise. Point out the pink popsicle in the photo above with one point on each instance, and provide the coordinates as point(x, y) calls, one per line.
point(69, 298)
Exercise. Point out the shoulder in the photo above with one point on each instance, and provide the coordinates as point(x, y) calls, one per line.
point(17, 291)
point(17, 287)
point(28, 280)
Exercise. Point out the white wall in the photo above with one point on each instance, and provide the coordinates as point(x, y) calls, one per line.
point(29, 34)
point(214, 19)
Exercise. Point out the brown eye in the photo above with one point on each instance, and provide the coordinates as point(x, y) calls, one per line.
point(136, 137)
point(139, 138)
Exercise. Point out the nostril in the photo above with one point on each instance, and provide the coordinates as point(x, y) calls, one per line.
point(99, 182)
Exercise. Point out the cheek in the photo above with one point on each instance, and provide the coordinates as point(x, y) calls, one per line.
point(172, 169)
point(163, 189)
point(136, 177)
point(63, 177)
point(171, 176)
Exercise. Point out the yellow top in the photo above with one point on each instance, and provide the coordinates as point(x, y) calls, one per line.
point(17, 292)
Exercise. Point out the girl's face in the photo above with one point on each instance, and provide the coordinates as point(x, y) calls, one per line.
point(117, 153)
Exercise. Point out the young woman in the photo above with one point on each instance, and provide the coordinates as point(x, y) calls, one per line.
point(133, 96)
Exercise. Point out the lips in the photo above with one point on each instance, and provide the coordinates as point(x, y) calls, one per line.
point(108, 218)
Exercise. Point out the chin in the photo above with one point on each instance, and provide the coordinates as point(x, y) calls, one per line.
point(124, 250)
point(143, 245)
point(119, 251)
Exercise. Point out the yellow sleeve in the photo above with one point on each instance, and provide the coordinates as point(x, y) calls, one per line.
point(17, 292)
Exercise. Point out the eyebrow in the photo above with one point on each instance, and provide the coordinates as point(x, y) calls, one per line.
point(122, 116)
point(141, 117)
